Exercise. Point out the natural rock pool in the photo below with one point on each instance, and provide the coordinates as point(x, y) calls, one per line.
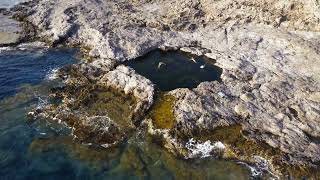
point(44, 149)
point(170, 70)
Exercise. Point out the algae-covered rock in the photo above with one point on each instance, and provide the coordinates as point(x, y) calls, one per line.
point(101, 107)
point(148, 159)
point(161, 112)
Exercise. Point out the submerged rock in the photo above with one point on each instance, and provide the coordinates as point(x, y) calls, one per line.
point(161, 113)
point(9, 3)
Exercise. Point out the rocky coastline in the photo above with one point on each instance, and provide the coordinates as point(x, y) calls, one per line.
point(268, 51)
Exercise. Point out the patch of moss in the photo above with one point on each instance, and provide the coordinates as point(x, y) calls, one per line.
point(116, 105)
point(162, 112)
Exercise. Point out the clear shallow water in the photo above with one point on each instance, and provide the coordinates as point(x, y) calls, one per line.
point(43, 150)
point(170, 70)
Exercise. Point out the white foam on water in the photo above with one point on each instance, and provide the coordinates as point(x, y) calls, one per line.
point(3, 49)
point(261, 167)
point(33, 45)
point(53, 74)
point(42, 102)
point(255, 172)
point(108, 145)
point(203, 149)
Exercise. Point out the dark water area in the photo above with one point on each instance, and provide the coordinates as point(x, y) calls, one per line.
point(29, 67)
point(45, 150)
point(170, 70)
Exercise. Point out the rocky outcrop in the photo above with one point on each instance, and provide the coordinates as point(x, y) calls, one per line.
point(100, 105)
point(125, 79)
point(268, 51)
point(212, 106)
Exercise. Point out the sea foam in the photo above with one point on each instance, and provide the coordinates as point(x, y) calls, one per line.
point(203, 149)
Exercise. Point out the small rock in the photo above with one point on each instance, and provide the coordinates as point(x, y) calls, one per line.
point(247, 97)
point(242, 110)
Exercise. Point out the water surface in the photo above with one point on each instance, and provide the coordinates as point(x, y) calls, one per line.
point(29, 67)
point(170, 70)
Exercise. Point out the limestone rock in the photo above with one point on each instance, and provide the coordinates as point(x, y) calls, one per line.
point(208, 109)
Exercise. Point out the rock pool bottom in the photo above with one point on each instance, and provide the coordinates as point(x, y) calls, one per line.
point(42, 150)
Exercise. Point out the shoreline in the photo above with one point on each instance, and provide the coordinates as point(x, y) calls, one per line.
point(250, 85)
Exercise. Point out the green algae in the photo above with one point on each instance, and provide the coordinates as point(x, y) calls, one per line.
point(137, 160)
point(112, 103)
point(161, 113)
point(97, 114)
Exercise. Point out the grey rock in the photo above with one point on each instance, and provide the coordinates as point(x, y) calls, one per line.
point(208, 109)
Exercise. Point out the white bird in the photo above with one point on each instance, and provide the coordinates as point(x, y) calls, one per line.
point(192, 59)
point(161, 64)
point(221, 94)
point(202, 66)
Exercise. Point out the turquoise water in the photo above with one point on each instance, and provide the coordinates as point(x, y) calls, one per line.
point(44, 150)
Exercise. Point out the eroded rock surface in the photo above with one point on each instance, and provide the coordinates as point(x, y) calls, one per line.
point(211, 107)
point(268, 50)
